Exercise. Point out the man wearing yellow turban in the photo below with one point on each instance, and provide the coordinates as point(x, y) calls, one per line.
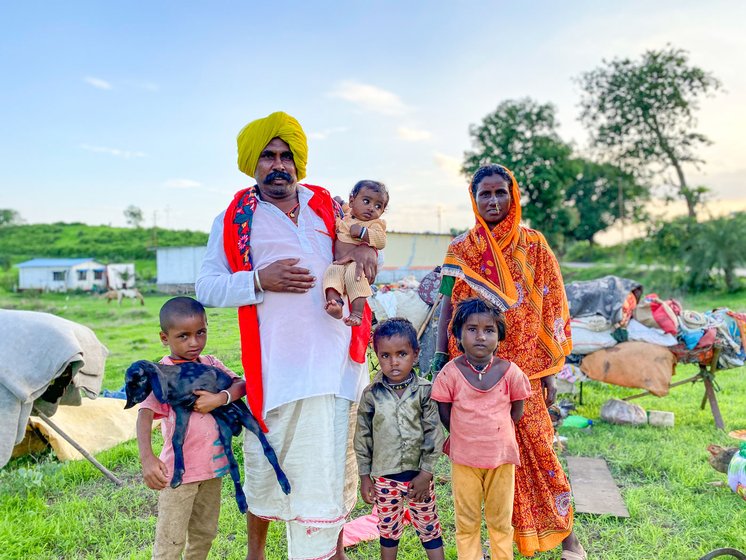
point(257, 134)
point(303, 368)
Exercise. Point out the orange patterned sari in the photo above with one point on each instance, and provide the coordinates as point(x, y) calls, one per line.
point(515, 269)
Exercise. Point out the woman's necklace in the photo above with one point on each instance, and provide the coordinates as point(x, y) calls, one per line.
point(479, 370)
point(398, 386)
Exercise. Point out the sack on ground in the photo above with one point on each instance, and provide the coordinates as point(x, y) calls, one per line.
point(616, 411)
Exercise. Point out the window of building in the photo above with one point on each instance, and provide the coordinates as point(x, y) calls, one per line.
point(82, 274)
point(58, 276)
point(98, 274)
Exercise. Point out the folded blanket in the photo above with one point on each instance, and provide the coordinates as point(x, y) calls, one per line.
point(586, 341)
point(638, 331)
point(36, 349)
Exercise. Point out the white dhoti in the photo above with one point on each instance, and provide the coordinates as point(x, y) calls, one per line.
point(310, 437)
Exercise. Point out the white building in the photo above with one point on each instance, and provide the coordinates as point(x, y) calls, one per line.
point(120, 275)
point(411, 254)
point(61, 275)
point(177, 268)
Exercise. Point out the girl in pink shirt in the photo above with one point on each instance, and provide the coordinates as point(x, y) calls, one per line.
point(480, 398)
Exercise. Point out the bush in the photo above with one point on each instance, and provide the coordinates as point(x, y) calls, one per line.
point(8, 279)
point(709, 252)
point(27, 480)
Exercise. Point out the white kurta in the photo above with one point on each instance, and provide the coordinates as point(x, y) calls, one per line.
point(305, 351)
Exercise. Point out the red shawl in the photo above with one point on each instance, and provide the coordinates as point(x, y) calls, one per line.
point(237, 246)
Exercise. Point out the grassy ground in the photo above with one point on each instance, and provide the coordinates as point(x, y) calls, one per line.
point(50, 510)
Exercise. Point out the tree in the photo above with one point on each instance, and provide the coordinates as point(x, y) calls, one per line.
point(133, 215)
point(597, 193)
point(718, 247)
point(9, 217)
point(641, 112)
point(521, 134)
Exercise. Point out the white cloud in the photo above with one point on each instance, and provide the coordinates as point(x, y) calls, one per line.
point(369, 98)
point(97, 82)
point(182, 184)
point(413, 134)
point(450, 165)
point(126, 154)
point(324, 134)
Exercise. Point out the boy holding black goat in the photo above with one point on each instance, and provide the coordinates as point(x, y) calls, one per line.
point(188, 514)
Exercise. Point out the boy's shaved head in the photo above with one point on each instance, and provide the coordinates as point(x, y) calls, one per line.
point(181, 306)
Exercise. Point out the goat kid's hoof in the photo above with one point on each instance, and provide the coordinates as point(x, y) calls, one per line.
point(242, 506)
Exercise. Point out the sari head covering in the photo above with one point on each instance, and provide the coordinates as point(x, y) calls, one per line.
point(490, 279)
point(502, 266)
point(255, 136)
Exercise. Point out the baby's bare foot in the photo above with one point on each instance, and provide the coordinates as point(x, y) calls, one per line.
point(334, 308)
point(353, 320)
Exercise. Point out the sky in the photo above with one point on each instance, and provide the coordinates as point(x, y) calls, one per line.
point(109, 104)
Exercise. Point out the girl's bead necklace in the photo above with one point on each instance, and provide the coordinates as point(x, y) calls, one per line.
point(479, 370)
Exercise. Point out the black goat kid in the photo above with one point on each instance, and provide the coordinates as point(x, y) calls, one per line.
point(175, 386)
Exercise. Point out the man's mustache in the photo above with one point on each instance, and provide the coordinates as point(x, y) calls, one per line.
point(277, 175)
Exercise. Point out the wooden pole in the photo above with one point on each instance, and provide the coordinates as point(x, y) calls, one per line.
point(429, 316)
point(646, 393)
point(75, 444)
point(710, 391)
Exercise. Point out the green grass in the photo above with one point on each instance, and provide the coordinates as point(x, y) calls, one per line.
point(50, 510)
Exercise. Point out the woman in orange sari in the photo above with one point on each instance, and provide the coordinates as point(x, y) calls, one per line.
point(513, 267)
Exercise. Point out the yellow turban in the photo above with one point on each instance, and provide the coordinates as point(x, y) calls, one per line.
point(255, 136)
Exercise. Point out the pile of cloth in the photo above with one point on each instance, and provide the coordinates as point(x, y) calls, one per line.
point(623, 338)
point(47, 361)
point(418, 301)
point(401, 299)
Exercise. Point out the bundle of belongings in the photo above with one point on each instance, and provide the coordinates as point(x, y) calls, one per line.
point(400, 299)
point(46, 361)
point(417, 301)
point(622, 338)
